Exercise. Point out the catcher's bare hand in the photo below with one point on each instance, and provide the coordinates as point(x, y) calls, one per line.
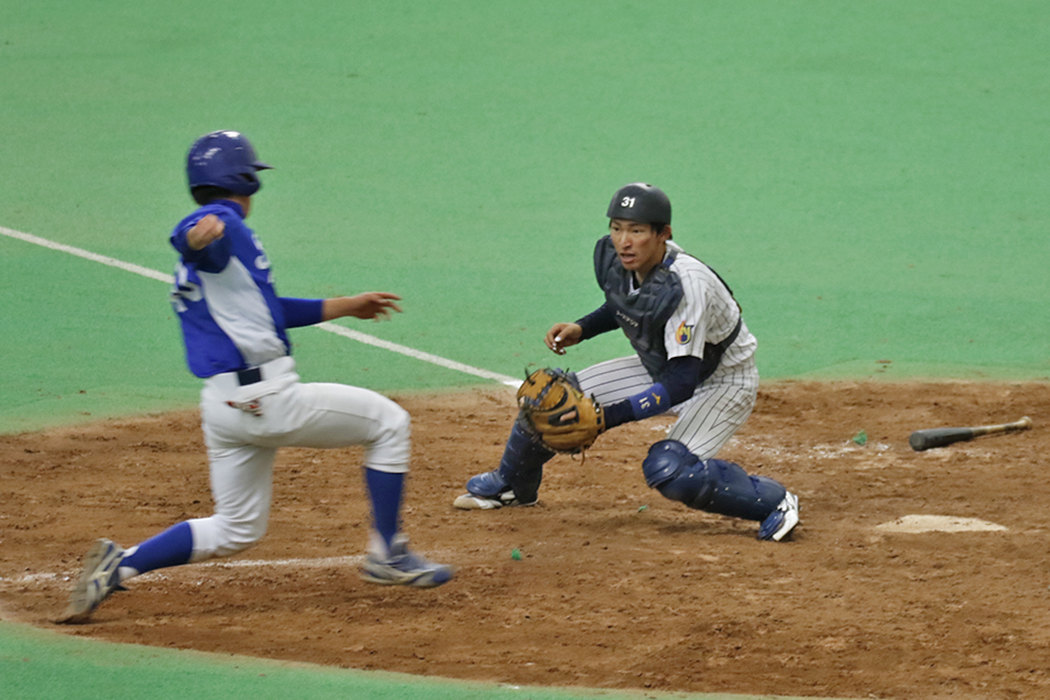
point(369, 305)
point(561, 336)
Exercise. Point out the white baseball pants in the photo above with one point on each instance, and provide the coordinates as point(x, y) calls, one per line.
point(244, 426)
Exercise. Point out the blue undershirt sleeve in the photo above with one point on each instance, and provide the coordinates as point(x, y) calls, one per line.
point(678, 383)
point(601, 320)
point(681, 377)
point(301, 312)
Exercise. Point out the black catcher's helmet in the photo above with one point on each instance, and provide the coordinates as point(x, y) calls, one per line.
point(640, 202)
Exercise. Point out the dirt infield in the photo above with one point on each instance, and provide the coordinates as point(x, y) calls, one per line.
point(616, 587)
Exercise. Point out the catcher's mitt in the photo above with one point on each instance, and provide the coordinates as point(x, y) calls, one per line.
point(558, 413)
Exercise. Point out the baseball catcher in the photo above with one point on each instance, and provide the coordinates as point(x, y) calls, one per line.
point(693, 356)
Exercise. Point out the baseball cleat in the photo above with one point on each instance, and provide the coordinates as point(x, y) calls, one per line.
point(403, 568)
point(97, 581)
point(488, 491)
point(471, 501)
point(781, 521)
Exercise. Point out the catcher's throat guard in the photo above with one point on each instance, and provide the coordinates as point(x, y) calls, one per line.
point(557, 412)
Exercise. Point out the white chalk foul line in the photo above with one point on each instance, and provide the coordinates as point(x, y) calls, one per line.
point(327, 326)
point(88, 255)
point(417, 354)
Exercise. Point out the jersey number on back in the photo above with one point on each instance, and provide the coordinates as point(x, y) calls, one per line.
point(183, 290)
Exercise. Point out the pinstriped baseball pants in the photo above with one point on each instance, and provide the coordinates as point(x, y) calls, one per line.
point(719, 407)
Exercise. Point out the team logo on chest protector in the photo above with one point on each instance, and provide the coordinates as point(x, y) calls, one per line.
point(623, 318)
point(683, 334)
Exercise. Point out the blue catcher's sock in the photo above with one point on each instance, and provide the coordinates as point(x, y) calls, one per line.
point(172, 547)
point(384, 489)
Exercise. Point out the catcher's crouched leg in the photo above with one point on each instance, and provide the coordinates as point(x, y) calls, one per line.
point(517, 479)
point(711, 485)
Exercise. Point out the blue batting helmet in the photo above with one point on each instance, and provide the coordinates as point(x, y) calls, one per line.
point(224, 159)
point(640, 202)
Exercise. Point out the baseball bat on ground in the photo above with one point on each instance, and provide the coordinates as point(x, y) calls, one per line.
point(939, 437)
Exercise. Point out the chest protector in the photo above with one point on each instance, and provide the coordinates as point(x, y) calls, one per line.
point(641, 316)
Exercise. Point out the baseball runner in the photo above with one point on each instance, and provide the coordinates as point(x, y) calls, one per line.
point(694, 356)
point(234, 326)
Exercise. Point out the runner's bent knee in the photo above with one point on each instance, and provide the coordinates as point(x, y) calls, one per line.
point(222, 536)
point(390, 440)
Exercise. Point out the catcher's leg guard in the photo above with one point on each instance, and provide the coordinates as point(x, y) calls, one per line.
point(520, 469)
point(711, 485)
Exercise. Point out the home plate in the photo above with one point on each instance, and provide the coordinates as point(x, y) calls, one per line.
point(938, 523)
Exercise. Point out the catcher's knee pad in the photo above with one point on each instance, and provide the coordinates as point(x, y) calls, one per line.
point(677, 474)
point(712, 485)
point(521, 466)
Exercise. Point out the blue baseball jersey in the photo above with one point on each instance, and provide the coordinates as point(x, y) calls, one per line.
point(231, 316)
